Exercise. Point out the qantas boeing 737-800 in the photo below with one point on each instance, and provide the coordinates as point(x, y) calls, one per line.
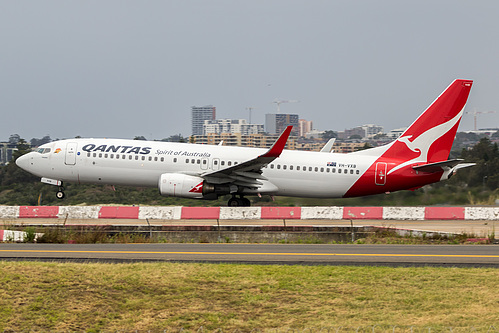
point(418, 157)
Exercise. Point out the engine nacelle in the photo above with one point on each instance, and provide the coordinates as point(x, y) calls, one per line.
point(180, 185)
point(186, 186)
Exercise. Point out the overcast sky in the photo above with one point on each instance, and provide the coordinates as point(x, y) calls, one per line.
point(127, 68)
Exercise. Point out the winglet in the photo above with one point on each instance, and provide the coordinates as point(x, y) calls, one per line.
point(278, 146)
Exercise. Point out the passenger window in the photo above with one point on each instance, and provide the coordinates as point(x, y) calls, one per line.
point(193, 161)
point(235, 163)
point(327, 169)
point(112, 156)
point(204, 162)
point(316, 169)
point(271, 166)
point(130, 157)
point(290, 167)
point(95, 154)
point(150, 158)
point(309, 168)
point(333, 170)
point(88, 154)
point(357, 171)
point(284, 167)
point(339, 170)
point(223, 162)
point(229, 163)
point(199, 161)
point(100, 155)
point(187, 160)
point(105, 155)
point(136, 157)
point(278, 166)
point(298, 168)
point(162, 159)
point(143, 158)
point(351, 172)
point(345, 171)
point(175, 160)
point(322, 169)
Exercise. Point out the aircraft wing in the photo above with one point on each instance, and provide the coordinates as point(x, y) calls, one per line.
point(249, 173)
point(442, 166)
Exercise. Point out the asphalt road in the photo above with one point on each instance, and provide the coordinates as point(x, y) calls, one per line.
point(389, 255)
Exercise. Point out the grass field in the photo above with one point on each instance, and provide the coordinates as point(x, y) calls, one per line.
point(157, 296)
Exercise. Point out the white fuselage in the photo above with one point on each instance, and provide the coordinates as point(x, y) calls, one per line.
point(141, 163)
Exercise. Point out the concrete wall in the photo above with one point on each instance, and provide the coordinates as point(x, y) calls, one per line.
point(250, 213)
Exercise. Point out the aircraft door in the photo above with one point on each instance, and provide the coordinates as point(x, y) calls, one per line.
point(215, 164)
point(70, 158)
point(380, 175)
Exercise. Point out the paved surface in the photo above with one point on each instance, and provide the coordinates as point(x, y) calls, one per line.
point(390, 255)
point(476, 227)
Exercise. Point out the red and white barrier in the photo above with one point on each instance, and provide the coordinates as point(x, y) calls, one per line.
point(250, 213)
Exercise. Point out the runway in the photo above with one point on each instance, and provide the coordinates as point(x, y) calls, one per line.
point(287, 254)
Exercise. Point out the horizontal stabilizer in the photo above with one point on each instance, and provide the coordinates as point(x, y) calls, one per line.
point(442, 166)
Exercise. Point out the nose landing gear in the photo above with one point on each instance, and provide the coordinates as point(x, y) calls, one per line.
point(239, 202)
point(60, 194)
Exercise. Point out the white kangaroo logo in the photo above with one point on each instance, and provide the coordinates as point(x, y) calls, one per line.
point(423, 142)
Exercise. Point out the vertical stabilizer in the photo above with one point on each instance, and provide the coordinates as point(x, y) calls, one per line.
point(429, 139)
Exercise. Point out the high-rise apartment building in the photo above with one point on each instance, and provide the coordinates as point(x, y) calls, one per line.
point(231, 126)
point(305, 126)
point(276, 123)
point(199, 114)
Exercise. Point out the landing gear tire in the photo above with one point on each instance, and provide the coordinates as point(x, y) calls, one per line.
point(60, 194)
point(239, 202)
point(234, 202)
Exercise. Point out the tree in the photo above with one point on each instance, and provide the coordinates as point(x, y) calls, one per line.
point(38, 142)
point(366, 145)
point(486, 171)
point(329, 135)
point(175, 138)
point(14, 139)
point(12, 174)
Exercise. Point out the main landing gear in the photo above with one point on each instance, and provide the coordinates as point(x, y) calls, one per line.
point(60, 194)
point(238, 202)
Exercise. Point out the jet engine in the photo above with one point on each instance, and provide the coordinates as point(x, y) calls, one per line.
point(187, 186)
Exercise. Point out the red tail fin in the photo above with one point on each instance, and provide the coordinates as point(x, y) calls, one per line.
point(430, 137)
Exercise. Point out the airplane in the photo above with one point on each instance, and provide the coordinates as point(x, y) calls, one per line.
point(417, 158)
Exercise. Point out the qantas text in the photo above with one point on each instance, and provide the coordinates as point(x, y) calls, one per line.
point(117, 149)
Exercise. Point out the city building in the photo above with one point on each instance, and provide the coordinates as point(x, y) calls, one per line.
point(276, 123)
point(372, 130)
point(198, 115)
point(304, 126)
point(7, 150)
point(237, 139)
point(219, 126)
point(395, 133)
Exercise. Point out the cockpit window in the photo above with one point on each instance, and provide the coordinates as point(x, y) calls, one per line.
point(43, 150)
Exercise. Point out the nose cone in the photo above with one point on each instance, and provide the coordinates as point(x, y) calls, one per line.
point(23, 162)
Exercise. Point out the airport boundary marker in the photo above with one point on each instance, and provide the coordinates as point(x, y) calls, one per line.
point(250, 213)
